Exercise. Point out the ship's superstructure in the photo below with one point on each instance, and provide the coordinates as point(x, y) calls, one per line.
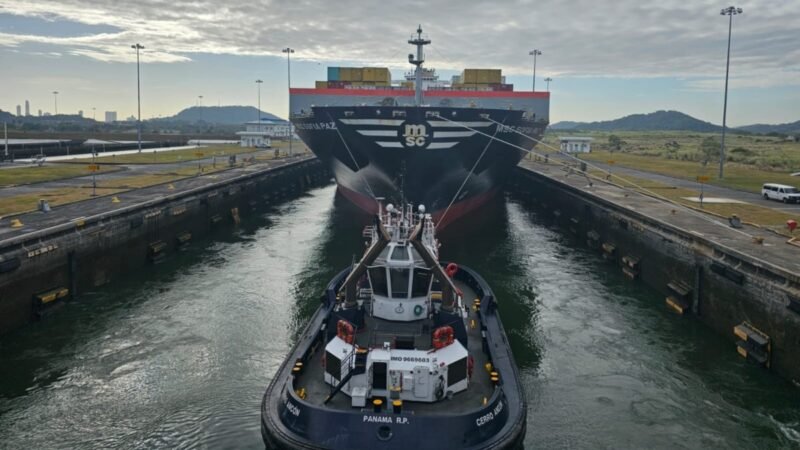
point(420, 135)
point(400, 362)
point(405, 351)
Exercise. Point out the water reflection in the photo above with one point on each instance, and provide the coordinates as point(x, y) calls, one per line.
point(178, 355)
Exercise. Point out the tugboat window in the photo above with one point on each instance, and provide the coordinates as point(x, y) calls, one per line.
point(377, 277)
point(399, 282)
point(422, 279)
point(400, 254)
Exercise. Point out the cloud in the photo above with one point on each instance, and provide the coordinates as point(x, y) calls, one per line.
point(625, 38)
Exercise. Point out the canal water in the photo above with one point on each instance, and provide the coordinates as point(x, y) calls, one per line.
point(178, 354)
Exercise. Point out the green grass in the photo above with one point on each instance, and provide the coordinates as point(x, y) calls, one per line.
point(49, 172)
point(765, 217)
point(28, 202)
point(751, 159)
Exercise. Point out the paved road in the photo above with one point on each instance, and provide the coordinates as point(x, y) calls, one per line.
point(709, 190)
point(774, 249)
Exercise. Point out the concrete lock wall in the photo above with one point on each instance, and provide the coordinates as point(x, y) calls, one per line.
point(83, 255)
point(726, 288)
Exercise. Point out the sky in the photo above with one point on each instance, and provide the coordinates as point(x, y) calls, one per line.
point(607, 59)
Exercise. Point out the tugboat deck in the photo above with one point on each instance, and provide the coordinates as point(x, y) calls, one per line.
point(480, 385)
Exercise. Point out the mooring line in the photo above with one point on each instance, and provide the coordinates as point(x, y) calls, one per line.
point(474, 166)
point(652, 194)
point(358, 169)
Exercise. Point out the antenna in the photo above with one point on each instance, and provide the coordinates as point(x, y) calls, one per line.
point(420, 58)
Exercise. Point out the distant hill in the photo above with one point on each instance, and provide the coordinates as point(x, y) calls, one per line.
point(656, 121)
point(226, 115)
point(566, 125)
point(6, 116)
point(784, 128)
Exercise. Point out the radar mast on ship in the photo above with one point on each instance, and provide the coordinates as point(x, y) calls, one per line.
point(419, 41)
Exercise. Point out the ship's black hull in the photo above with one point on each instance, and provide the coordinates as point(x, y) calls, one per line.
point(287, 421)
point(444, 158)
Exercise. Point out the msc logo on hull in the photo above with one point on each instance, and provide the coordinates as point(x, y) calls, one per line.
point(415, 135)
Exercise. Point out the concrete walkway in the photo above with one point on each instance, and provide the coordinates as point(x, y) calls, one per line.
point(774, 251)
point(108, 153)
point(709, 190)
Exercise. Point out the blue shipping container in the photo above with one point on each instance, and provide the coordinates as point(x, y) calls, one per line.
point(333, 74)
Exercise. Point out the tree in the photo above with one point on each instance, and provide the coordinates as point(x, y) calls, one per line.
point(615, 143)
point(710, 149)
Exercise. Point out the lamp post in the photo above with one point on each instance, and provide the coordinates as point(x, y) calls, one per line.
point(258, 83)
point(138, 47)
point(534, 53)
point(94, 113)
point(729, 11)
point(548, 80)
point(289, 51)
point(55, 102)
point(200, 106)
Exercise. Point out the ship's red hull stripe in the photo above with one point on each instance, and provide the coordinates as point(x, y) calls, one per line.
point(410, 93)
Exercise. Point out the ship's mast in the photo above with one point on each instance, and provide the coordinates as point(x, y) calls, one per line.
point(420, 58)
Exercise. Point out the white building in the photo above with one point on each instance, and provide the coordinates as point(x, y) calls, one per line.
point(111, 116)
point(259, 134)
point(576, 144)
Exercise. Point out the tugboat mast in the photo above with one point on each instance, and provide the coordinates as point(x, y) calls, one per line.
point(420, 58)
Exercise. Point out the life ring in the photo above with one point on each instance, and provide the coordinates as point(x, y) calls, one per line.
point(451, 270)
point(345, 331)
point(470, 366)
point(442, 337)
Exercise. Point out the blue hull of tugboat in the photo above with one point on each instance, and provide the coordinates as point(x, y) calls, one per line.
point(287, 421)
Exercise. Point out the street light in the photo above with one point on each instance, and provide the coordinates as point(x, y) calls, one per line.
point(138, 47)
point(94, 113)
point(548, 80)
point(258, 83)
point(729, 11)
point(534, 53)
point(55, 101)
point(289, 51)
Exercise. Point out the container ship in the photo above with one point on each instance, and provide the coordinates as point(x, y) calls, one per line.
point(447, 144)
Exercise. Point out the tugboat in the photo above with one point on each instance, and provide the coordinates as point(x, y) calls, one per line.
point(405, 352)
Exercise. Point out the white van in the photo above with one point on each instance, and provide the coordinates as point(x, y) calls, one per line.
point(780, 192)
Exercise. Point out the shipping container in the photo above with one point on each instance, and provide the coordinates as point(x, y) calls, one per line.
point(376, 74)
point(350, 74)
point(483, 76)
point(321, 84)
point(494, 76)
point(368, 74)
point(469, 76)
point(333, 74)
